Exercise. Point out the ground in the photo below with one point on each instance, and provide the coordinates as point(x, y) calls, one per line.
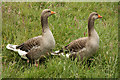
point(21, 21)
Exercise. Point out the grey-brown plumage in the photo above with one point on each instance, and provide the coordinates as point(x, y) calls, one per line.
point(77, 45)
point(32, 47)
point(86, 46)
point(35, 47)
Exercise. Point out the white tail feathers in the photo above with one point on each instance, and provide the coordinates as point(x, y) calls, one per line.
point(56, 53)
point(65, 55)
point(59, 54)
point(20, 52)
point(11, 47)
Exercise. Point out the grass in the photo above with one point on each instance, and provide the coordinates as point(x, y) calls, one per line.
point(21, 21)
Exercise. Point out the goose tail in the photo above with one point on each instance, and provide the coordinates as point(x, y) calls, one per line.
point(20, 52)
point(12, 47)
point(60, 53)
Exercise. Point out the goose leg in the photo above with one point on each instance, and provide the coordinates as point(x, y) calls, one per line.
point(47, 53)
point(28, 61)
point(36, 63)
point(84, 34)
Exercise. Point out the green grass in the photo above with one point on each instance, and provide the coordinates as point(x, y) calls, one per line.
point(21, 21)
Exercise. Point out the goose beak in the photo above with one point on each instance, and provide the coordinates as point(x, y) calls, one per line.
point(53, 12)
point(99, 16)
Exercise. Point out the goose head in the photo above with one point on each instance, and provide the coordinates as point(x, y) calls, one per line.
point(46, 13)
point(94, 16)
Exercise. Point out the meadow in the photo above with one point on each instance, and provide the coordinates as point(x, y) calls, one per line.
point(21, 21)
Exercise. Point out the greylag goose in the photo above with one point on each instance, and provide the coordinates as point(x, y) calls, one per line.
point(33, 48)
point(83, 47)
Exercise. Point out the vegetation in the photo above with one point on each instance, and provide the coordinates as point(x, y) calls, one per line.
point(21, 21)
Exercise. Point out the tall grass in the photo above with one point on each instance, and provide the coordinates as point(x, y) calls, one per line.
point(21, 21)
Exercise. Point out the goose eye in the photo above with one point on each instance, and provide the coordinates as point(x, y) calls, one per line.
point(49, 11)
point(97, 14)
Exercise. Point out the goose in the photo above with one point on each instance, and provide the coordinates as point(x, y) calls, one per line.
point(83, 47)
point(33, 48)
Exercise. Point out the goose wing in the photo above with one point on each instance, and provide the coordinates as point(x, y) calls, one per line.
point(29, 44)
point(77, 44)
point(32, 47)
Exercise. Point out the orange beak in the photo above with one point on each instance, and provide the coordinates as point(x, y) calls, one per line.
point(53, 12)
point(99, 16)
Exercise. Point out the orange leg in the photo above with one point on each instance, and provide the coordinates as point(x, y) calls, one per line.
point(84, 34)
point(28, 61)
point(47, 53)
point(36, 64)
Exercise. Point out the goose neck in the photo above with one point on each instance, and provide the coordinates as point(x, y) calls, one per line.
point(90, 26)
point(44, 23)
